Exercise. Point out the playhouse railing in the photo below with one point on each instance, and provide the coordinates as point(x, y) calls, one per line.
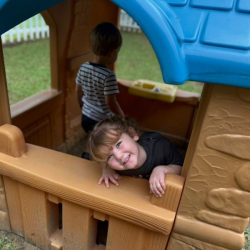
point(54, 201)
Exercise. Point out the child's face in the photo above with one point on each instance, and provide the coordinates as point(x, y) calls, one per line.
point(126, 153)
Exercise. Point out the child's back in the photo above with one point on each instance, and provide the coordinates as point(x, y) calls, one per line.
point(96, 85)
point(96, 81)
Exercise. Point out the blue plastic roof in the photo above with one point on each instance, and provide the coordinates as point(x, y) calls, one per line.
point(201, 40)
point(13, 12)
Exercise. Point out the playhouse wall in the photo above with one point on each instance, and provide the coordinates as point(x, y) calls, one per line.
point(4, 118)
point(215, 203)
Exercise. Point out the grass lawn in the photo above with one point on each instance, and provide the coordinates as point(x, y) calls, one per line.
point(247, 238)
point(6, 243)
point(28, 66)
point(27, 69)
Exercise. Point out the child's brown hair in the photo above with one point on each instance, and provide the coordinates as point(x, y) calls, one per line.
point(104, 38)
point(108, 132)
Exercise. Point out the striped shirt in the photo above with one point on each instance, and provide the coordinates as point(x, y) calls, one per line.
point(96, 82)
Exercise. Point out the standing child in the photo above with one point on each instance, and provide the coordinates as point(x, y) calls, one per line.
point(116, 142)
point(96, 85)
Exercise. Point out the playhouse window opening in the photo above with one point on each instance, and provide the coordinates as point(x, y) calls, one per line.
point(54, 218)
point(102, 232)
point(26, 50)
point(60, 216)
point(137, 58)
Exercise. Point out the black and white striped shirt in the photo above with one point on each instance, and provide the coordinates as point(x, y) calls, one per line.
point(96, 82)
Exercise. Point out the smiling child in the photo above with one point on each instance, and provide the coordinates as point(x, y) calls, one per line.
point(116, 142)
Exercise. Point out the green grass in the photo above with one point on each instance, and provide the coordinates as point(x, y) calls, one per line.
point(28, 66)
point(6, 243)
point(247, 238)
point(27, 69)
point(137, 59)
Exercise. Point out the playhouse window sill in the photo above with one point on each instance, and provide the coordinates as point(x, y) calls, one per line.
point(41, 103)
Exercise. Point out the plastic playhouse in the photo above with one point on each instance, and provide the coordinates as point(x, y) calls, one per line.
point(205, 208)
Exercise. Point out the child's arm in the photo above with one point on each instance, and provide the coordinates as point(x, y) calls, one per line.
point(108, 174)
point(157, 178)
point(113, 104)
point(79, 95)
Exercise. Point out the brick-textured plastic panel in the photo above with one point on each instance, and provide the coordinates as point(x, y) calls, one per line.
point(243, 6)
point(213, 4)
point(227, 30)
point(190, 23)
point(177, 2)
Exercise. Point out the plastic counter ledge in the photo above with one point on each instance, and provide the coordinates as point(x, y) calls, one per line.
point(76, 180)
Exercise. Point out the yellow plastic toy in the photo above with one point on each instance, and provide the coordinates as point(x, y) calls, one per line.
point(153, 90)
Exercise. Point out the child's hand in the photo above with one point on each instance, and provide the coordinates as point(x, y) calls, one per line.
point(157, 181)
point(157, 178)
point(109, 174)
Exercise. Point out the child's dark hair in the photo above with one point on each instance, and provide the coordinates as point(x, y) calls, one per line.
point(104, 38)
point(108, 132)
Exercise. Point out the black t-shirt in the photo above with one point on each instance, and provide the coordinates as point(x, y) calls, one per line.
point(159, 151)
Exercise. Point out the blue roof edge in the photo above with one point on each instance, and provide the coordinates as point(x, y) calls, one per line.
point(13, 12)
